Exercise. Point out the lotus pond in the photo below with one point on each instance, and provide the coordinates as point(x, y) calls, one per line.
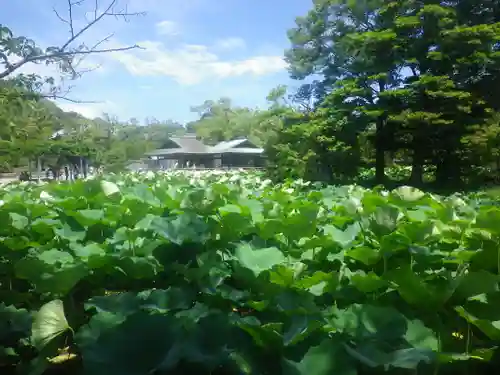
point(227, 273)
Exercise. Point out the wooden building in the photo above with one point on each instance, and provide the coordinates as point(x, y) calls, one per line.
point(187, 151)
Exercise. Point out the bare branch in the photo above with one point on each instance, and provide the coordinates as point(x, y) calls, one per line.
point(70, 13)
point(71, 53)
point(49, 56)
point(77, 101)
point(96, 8)
point(104, 40)
point(63, 51)
point(93, 48)
point(88, 26)
point(60, 17)
point(87, 70)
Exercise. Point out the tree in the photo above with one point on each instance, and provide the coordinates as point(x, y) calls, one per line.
point(17, 51)
point(446, 55)
point(350, 46)
point(25, 125)
point(412, 76)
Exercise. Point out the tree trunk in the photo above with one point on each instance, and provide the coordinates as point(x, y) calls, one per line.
point(448, 172)
point(417, 165)
point(39, 168)
point(379, 152)
point(81, 167)
point(379, 142)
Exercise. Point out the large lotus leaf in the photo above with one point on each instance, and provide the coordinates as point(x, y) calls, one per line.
point(327, 358)
point(123, 304)
point(230, 209)
point(139, 267)
point(51, 271)
point(414, 289)
point(258, 260)
point(475, 283)
point(138, 346)
point(14, 321)
point(365, 254)
point(45, 226)
point(144, 194)
point(384, 220)
point(18, 222)
point(319, 282)
point(372, 345)
point(99, 323)
point(91, 254)
point(170, 299)
point(408, 194)
point(233, 221)
point(420, 232)
point(88, 217)
point(364, 321)
point(253, 207)
point(410, 358)
point(264, 335)
point(49, 323)
point(489, 218)
point(109, 188)
point(269, 227)
point(185, 227)
point(70, 234)
point(303, 222)
point(372, 201)
point(300, 327)
point(367, 282)
point(207, 342)
point(282, 275)
point(342, 237)
point(486, 317)
point(420, 336)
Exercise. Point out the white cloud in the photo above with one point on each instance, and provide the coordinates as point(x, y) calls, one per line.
point(193, 64)
point(89, 110)
point(230, 43)
point(168, 28)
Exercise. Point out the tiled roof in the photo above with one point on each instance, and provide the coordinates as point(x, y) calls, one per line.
point(227, 144)
point(190, 145)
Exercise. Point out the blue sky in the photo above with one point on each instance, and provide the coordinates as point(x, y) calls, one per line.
point(194, 50)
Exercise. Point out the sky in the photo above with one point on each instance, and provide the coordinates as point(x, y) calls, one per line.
point(191, 51)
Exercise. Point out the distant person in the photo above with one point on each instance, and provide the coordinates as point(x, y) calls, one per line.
point(24, 176)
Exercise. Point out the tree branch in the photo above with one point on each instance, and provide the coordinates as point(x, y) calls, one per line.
point(77, 101)
point(63, 51)
point(70, 13)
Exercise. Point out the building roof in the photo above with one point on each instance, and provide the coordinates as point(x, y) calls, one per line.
point(224, 145)
point(189, 145)
point(175, 151)
point(58, 133)
point(243, 150)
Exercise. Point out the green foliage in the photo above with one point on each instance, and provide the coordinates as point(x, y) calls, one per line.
point(221, 121)
point(28, 124)
point(409, 78)
point(228, 273)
